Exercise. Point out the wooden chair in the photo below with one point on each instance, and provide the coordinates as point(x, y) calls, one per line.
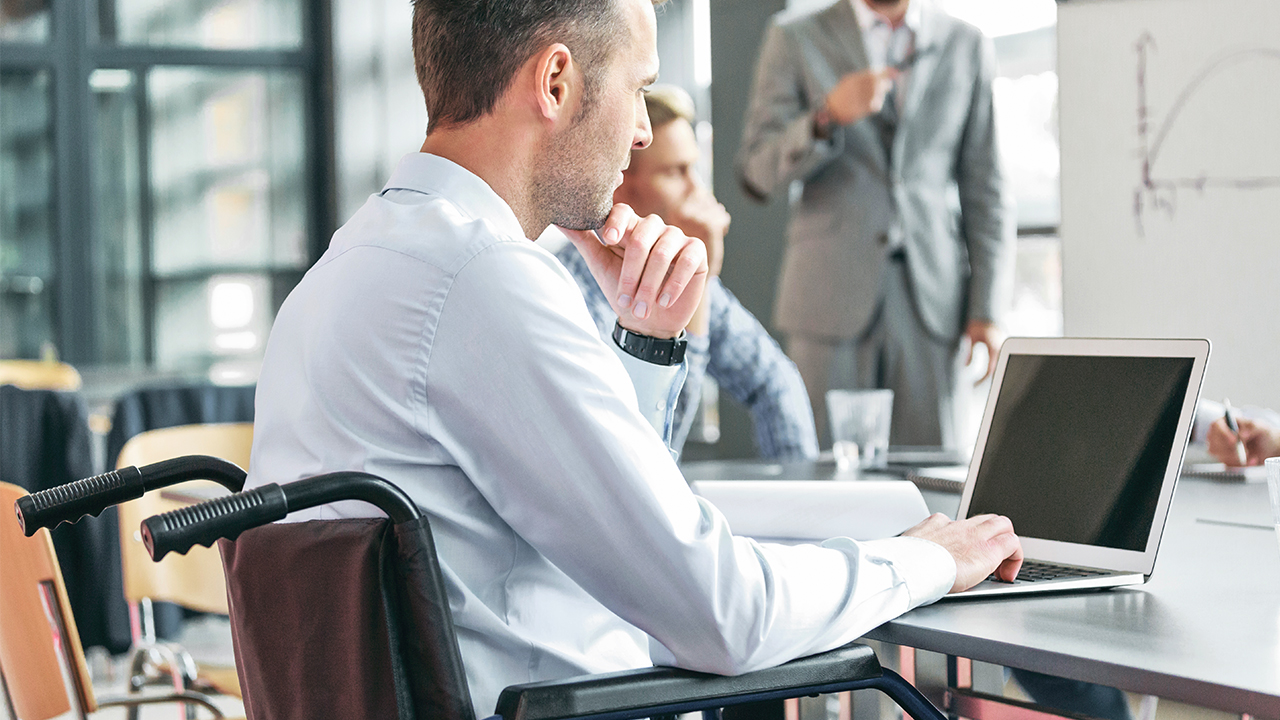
point(195, 580)
point(41, 659)
point(39, 375)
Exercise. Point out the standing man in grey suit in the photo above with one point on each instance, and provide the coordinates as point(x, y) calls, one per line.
point(901, 241)
point(878, 115)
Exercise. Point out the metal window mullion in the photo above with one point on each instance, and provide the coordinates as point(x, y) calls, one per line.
point(146, 211)
point(319, 159)
point(1034, 230)
point(27, 55)
point(135, 55)
point(73, 182)
point(71, 56)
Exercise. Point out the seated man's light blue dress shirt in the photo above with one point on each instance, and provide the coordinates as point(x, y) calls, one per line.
point(435, 346)
point(739, 354)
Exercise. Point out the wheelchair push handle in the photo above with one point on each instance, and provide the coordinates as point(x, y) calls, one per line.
point(90, 496)
point(207, 522)
point(227, 517)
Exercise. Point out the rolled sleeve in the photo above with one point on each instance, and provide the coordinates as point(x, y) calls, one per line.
point(696, 357)
point(657, 390)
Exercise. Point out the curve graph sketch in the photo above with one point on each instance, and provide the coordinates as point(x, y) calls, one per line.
point(1156, 192)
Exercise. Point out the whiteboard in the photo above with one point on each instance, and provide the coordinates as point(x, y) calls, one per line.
point(1170, 133)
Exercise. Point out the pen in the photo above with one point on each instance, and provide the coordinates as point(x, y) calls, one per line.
point(1234, 427)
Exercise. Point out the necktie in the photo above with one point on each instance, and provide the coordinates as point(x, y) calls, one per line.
point(887, 122)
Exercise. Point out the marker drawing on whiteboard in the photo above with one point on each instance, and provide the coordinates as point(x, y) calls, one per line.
point(1160, 193)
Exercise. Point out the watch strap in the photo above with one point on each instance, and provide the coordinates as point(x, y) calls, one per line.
point(659, 351)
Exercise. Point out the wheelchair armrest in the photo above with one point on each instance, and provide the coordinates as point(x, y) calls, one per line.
point(648, 692)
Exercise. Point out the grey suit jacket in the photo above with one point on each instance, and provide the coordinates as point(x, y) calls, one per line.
point(939, 196)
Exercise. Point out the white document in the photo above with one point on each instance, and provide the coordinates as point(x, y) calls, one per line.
point(814, 510)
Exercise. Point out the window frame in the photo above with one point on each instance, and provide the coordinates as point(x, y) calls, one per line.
point(72, 51)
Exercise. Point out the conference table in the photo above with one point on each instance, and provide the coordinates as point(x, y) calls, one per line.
point(1205, 630)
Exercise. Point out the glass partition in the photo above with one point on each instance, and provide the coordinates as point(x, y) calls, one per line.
point(227, 197)
point(118, 287)
point(27, 275)
point(24, 21)
point(219, 24)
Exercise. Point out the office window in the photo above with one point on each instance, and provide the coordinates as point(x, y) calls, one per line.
point(26, 213)
point(1026, 103)
point(186, 175)
point(1026, 100)
point(117, 270)
point(221, 24)
point(24, 20)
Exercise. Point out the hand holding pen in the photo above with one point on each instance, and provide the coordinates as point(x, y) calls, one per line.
point(1229, 418)
point(1238, 441)
point(856, 96)
point(861, 93)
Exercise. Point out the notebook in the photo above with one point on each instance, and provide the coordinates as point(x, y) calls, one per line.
point(1218, 471)
point(1080, 446)
point(943, 478)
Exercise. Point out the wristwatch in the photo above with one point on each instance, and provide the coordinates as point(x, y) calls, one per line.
point(654, 350)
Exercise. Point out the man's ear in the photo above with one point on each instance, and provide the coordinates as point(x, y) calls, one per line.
point(559, 82)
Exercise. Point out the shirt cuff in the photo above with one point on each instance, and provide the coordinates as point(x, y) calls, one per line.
point(926, 567)
point(657, 389)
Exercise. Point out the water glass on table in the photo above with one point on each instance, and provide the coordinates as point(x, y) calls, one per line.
point(860, 427)
point(1273, 487)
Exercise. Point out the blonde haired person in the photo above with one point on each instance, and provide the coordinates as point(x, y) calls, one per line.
point(726, 342)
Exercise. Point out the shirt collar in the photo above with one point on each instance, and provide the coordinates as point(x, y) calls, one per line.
point(435, 175)
point(867, 18)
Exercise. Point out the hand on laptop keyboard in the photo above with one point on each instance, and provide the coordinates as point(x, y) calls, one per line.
point(1033, 571)
point(981, 545)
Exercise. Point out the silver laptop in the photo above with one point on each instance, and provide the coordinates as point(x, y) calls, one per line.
point(1081, 444)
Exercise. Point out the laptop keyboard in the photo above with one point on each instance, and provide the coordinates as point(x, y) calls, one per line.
point(1033, 571)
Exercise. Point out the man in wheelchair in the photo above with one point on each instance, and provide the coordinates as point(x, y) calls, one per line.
point(436, 346)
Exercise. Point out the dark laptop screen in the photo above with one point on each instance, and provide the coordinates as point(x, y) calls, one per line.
point(1079, 444)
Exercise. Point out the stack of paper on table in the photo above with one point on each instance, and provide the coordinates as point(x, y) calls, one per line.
point(814, 510)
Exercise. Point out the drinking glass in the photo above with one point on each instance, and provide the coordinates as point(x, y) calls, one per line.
point(860, 427)
point(1273, 487)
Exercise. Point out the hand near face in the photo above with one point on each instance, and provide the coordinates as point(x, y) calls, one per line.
point(1260, 442)
point(652, 273)
point(859, 94)
point(703, 217)
point(981, 545)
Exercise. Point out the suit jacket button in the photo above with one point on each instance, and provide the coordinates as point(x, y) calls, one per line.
point(883, 238)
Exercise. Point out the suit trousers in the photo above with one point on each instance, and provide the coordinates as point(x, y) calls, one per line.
point(894, 351)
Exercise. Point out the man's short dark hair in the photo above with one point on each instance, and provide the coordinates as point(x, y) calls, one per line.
point(466, 52)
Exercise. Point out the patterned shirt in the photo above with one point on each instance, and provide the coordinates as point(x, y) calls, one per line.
point(739, 354)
